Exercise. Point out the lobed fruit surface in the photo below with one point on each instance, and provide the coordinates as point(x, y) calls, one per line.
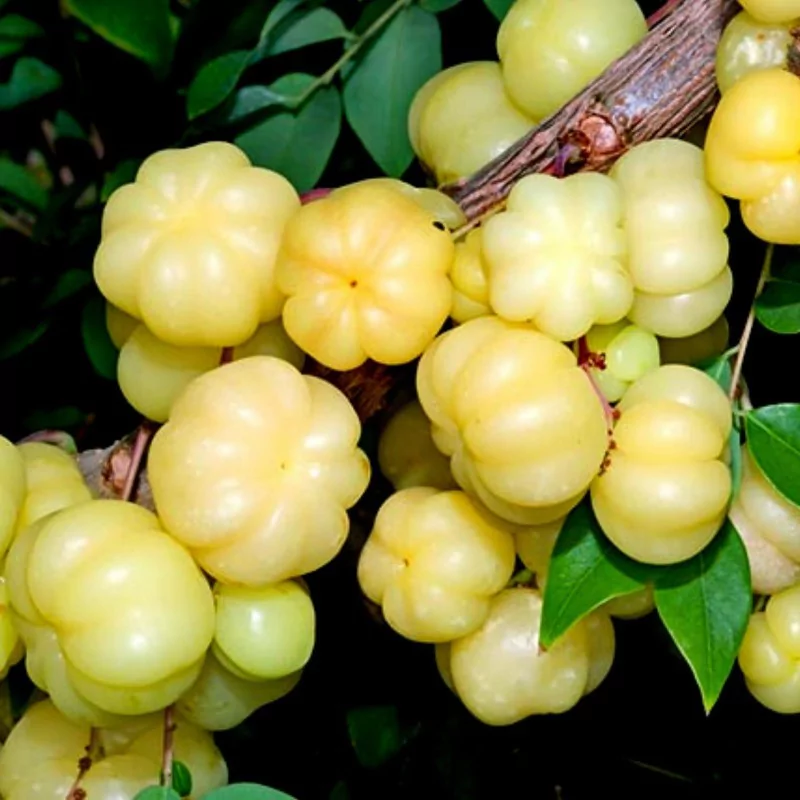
point(550, 50)
point(407, 455)
point(189, 247)
point(556, 256)
point(433, 561)
point(665, 492)
point(365, 272)
point(502, 676)
point(462, 119)
point(114, 613)
point(261, 439)
point(468, 275)
point(520, 420)
point(12, 491)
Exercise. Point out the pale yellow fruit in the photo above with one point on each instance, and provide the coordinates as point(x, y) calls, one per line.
point(520, 420)
point(665, 493)
point(220, 700)
point(556, 256)
point(11, 647)
point(748, 45)
point(264, 633)
point(12, 491)
point(462, 119)
point(365, 271)
point(433, 561)
point(152, 373)
point(440, 205)
point(773, 10)
point(470, 282)
point(550, 50)
point(631, 606)
point(770, 529)
point(119, 324)
point(501, 674)
point(407, 455)
point(709, 343)
point(275, 465)
point(534, 546)
point(189, 248)
point(102, 586)
point(53, 479)
point(40, 757)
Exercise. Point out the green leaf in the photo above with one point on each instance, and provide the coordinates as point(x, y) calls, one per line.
point(379, 89)
point(15, 31)
point(437, 6)
point(719, 369)
point(181, 778)
point(297, 143)
point(340, 792)
point(67, 285)
point(56, 418)
point(67, 127)
point(773, 439)
point(376, 734)
point(778, 307)
point(585, 571)
point(705, 604)
point(736, 461)
point(124, 172)
point(30, 79)
point(139, 27)
point(215, 81)
point(246, 791)
point(157, 793)
point(21, 184)
point(314, 26)
point(96, 341)
point(252, 99)
point(22, 339)
point(499, 7)
point(279, 14)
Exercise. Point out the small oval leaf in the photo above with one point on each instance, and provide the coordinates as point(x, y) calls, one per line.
point(30, 79)
point(314, 26)
point(778, 307)
point(181, 778)
point(499, 7)
point(215, 81)
point(773, 439)
point(157, 793)
point(21, 184)
point(375, 733)
point(96, 341)
point(585, 571)
point(705, 604)
point(246, 791)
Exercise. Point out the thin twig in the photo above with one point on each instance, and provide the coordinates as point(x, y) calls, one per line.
point(168, 746)
point(15, 223)
point(84, 765)
point(748, 325)
point(143, 435)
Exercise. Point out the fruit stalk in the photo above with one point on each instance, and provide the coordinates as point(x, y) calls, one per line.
point(168, 747)
point(662, 87)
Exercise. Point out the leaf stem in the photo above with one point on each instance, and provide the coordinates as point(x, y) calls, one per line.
point(332, 71)
point(748, 325)
point(168, 746)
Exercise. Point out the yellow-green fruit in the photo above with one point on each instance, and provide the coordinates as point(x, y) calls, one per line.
point(220, 700)
point(103, 587)
point(264, 633)
point(11, 647)
point(550, 50)
point(627, 351)
point(433, 561)
point(501, 674)
point(275, 466)
point(556, 256)
point(770, 529)
point(665, 493)
point(534, 546)
point(773, 10)
point(631, 606)
point(748, 45)
point(152, 373)
point(40, 757)
point(520, 420)
point(677, 247)
point(770, 653)
point(189, 248)
point(462, 119)
point(407, 455)
point(470, 282)
point(709, 343)
point(12, 491)
point(53, 479)
point(119, 324)
point(365, 271)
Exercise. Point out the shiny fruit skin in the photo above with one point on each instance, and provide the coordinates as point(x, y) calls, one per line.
point(365, 272)
point(779, 11)
point(470, 281)
point(118, 599)
point(692, 350)
point(189, 247)
point(520, 420)
point(664, 493)
point(262, 439)
point(433, 561)
point(550, 50)
point(119, 325)
point(462, 119)
point(12, 491)
point(407, 455)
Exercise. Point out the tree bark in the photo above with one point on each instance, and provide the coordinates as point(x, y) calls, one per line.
point(662, 87)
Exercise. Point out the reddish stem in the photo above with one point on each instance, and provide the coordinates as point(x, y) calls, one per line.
point(84, 765)
point(142, 438)
point(60, 439)
point(168, 746)
point(314, 194)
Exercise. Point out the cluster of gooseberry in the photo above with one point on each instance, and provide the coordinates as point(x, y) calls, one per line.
point(565, 372)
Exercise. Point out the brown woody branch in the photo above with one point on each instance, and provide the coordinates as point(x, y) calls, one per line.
point(662, 87)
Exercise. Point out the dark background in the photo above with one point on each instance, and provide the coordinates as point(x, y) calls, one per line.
point(642, 733)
